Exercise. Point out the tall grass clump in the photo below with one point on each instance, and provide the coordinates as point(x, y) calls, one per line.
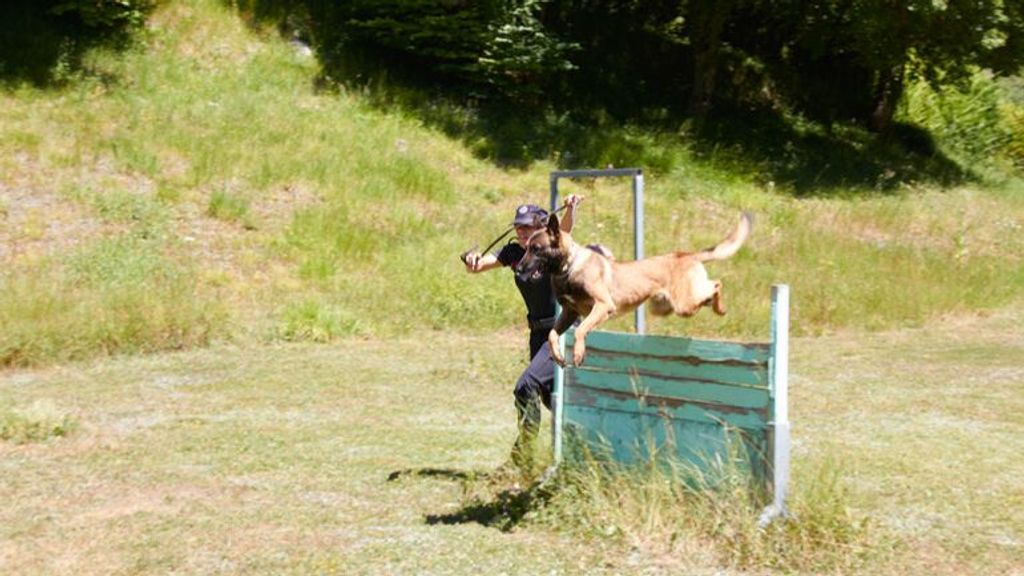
point(119, 295)
point(37, 422)
point(224, 205)
point(311, 320)
point(1013, 113)
point(683, 514)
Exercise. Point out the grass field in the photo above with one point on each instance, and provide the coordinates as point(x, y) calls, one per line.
point(235, 337)
point(276, 459)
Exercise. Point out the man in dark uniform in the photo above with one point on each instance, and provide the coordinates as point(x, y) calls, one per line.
point(534, 385)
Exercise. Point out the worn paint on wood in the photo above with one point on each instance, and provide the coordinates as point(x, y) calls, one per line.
point(637, 398)
point(639, 395)
point(676, 407)
point(706, 350)
point(644, 384)
point(634, 437)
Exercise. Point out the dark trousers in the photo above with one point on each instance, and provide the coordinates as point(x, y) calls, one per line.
point(532, 389)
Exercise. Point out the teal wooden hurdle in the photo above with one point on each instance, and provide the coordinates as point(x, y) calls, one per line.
point(638, 395)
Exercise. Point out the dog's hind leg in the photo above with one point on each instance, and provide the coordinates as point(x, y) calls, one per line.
point(713, 298)
point(702, 292)
point(660, 303)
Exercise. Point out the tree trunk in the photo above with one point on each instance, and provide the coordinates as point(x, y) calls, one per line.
point(887, 97)
point(708, 18)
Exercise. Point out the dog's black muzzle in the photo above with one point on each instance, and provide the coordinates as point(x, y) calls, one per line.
point(525, 267)
point(529, 269)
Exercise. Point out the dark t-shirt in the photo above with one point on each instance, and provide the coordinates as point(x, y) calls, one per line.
point(537, 292)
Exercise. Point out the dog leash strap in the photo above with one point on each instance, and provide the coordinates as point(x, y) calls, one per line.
point(503, 235)
point(496, 240)
point(506, 232)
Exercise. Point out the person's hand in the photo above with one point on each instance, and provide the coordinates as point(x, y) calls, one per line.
point(572, 201)
point(472, 261)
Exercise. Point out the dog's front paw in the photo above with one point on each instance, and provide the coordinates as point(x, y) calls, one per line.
point(579, 352)
point(556, 354)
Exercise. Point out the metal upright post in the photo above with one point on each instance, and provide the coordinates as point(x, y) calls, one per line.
point(638, 239)
point(557, 392)
point(556, 387)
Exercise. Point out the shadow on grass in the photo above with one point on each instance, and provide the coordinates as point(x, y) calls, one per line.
point(812, 160)
point(801, 158)
point(497, 508)
point(440, 473)
point(505, 511)
point(41, 47)
point(515, 136)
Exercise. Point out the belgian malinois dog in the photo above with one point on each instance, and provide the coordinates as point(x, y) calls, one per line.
point(594, 287)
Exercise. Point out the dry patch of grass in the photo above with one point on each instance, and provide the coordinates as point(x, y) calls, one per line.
point(929, 423)
point(265, 460)
point(35, 219)
point(36, 422)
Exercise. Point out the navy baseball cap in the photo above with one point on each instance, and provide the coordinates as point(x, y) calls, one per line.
point(530, 215)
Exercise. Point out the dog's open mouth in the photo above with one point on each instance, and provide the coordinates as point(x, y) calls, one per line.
point(525, 274)
point(529, 276)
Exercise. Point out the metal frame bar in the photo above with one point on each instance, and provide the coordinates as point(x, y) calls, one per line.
point(638, 248)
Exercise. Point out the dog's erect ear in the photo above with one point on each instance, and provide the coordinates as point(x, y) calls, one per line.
point(553, 228)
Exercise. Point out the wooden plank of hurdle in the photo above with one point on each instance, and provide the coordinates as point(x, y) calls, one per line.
point(638, 396)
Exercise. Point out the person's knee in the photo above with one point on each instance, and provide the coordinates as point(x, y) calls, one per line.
point(526, 389)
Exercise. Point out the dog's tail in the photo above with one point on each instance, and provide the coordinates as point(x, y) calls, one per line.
point(732, 243)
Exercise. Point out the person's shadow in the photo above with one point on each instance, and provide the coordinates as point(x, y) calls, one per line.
point(504, 511)
point(440, 473)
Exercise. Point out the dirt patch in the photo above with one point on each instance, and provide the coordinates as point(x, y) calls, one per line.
point(36, 221)
point(274, 209)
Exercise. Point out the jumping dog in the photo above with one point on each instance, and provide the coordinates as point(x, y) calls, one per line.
point(591, 286)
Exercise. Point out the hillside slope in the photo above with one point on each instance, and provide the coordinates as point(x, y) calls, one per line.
point(200, 187)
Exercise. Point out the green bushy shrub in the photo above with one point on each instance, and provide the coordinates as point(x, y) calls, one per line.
point(966, 122)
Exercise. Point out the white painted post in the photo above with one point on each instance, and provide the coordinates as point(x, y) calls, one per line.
point(780, 400)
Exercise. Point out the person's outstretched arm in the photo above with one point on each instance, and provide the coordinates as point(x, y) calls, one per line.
point(567, 221)
point(476, 263)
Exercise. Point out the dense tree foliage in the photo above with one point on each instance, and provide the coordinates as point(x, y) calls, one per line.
point(590, 60)
point(42, 39)
point(830, 59)
point(853, 58)
point(483, 47)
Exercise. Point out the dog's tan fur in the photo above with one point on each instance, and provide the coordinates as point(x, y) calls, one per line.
point(594, 287)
